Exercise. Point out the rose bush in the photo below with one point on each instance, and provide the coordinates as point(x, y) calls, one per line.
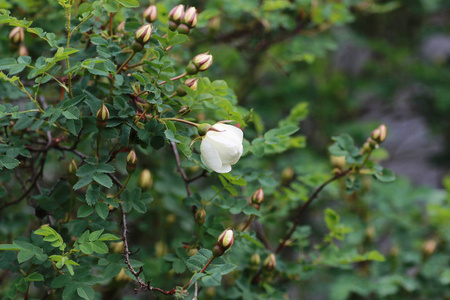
point(221, 147)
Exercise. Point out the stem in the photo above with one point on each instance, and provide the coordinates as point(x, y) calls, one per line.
point(123, 186)
point(201, 271)
point(249, 222)
point(180, 169)
point(174, 78)
point(125, 63)
point(99, 137)
point(197, 237)
point(70, 204)
point(111, 24)
point(180, 120)
point(316, 192)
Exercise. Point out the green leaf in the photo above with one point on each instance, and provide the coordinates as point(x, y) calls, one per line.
point(128, 3)
point(34, 277)
point(102, 210)
point(84, 211)
point(92, 194)
point(385, 175)
point(95, 235)
point(24, 255)
point(9, 247)
point(8, 162)
point(86, 292)
point(103, 179)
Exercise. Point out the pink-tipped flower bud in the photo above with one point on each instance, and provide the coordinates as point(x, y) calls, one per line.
point(379, 134)
point(131, 162)
point(176, 13)
point(72, 177)
point(143, 34)
point(150, 14)
point(203, 61)
point(200, 216)
point(224, 242)
point(270, 263)
point(102, 116)
point(191, 83)
point(190, 17)
point(145, 181)
point(23, 51)
point(16, 36)
point(258, 196)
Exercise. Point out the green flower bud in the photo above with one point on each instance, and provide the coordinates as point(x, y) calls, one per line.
point(183, 29)
point(16, 36)
point(131, 162)
point(102, 116)
point(200, 216)
point(72, 177)
point(150, 14)
point(143, 34)
point(173, 25)
point(176, 13)
point(145, 181)
point(287, 175)
point(379, 134)
point(203, 129)
point(338, 161)
point(270, 263)
point(190, 17)
point(137, 47)
point(255, 260)
point(258, 196)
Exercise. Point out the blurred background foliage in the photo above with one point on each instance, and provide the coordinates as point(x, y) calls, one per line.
point(346, 66)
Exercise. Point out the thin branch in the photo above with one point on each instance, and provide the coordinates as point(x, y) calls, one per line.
point(180, 169)
point(302, 208)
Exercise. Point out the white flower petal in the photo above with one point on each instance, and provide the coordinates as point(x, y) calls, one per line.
point(227, 134)
point(223, 169)
point(209, 155)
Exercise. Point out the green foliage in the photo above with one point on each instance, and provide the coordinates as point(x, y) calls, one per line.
point(79, 219)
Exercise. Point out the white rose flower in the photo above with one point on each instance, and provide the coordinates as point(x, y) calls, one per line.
point(222, 148)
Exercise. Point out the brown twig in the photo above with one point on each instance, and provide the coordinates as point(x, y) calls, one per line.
point(180, 169)
point(302, 208)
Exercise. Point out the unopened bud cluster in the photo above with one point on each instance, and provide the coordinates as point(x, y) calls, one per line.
point(224, 242)
point(183, 21)
point(377, 137)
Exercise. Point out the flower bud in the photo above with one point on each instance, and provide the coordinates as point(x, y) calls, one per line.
point(176, 13)
point(224, 242)
point(184, 110)
point(287, 175)
point(190, 17)
point(203, 129)
point(338, 161)
point(131, 162)
point(226, 238)
point(122, 276)
point(72, 177)
point(270, 263)
point(183, 29)
point(23, 51)
point(102, 116)
point(173, 25)
point(192, 251)
point(258, 196)
point(429, 247)
point(137, 47)
point(121, 27)
point(117, 247)
point(379, 134)
point(203, 61)
point(150, 14)
point(191, 83)
point(145, 181)
point(255, 260)
point(200, 216)
point(16, 36)
point(143, 34)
